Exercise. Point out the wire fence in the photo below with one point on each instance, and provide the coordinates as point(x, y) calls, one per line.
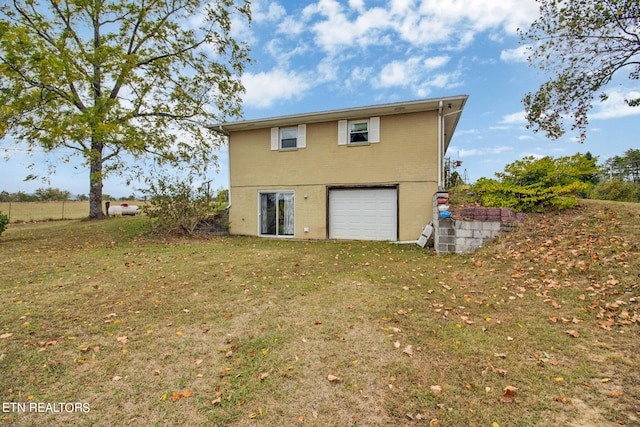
point(49, 211)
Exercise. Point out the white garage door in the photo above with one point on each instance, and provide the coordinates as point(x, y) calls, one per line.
point(363, 214)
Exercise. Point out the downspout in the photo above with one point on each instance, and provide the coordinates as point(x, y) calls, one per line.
point(441, 129)
point(229, 171)
point(440, 148)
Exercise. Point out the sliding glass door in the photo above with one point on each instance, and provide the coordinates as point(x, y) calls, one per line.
point(277, 213)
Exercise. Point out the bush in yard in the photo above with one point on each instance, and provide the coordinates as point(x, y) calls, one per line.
point(531, 184)
point(177, 208)
point(617, 190)
point(4, 220)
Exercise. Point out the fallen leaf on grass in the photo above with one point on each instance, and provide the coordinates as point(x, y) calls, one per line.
point(122, 340)
point(5, 336)
point(573, 333)
point(46, 343)
point(509, 394)
point(333, 378)
point(216, 401)
point(466, 320)
point(616, 393)
point(498, 371)
point(436, 388)
point(408, 350)
point(262, 376)
point(175, 396)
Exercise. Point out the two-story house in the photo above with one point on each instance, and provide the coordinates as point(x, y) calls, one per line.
point(366, 173)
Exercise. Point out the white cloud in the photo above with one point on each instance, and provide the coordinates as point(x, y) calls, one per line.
point(283, 52)
point(453, 23)
point(291, 26)
point(265, 88)
point(415, 71)
point(357, 4)
point(261, 12)
point(615, 106)
point(456, 22)
point(519, 54)
point(436, 62)
point(525, 138)
point(518, 118)
point(337, 30)
point(485, 151)
point(400, 73)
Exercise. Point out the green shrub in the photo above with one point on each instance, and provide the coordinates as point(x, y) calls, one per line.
point(177, 208)
point(618, 190)
point(530, 198)
point(531, 184)
point(4, 220)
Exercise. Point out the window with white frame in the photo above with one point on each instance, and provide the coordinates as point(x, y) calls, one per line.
point(362, 131)
point(358, 131)
point(277, 213)
point(290, 137)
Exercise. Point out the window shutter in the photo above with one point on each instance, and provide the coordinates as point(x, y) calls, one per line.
point(342, 132)
point(302, 136)
point(275, 138)
point(374, 129)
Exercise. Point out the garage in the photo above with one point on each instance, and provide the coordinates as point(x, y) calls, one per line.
point(363, 213)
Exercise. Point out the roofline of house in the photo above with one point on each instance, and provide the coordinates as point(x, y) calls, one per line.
point(454, 103)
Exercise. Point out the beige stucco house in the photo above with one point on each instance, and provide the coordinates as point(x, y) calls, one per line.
point(366, 173)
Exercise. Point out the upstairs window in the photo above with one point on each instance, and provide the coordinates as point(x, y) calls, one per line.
point(358, 131)
point(287, 138)
point(362, 131)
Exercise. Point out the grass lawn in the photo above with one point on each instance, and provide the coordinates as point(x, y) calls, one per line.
point(542, 327)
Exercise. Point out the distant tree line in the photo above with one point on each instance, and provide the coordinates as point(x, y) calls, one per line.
point(49, 195)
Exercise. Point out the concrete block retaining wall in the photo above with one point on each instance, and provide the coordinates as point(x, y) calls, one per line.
point(470, 228)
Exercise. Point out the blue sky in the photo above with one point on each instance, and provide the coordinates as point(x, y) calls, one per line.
point(331, 54)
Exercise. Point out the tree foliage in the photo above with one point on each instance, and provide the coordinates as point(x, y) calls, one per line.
point(625, 167)
point(177, 207)
point(617, 190)
point(113, 80)
point(4, 220)
point(584, 43)
point(40, 195)
point(52, 194)
point(532, 184)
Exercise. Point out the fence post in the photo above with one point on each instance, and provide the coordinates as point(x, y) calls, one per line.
point(62, 210)
point(9, 215)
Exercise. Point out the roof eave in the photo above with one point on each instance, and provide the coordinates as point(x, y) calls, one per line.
point(455, 103)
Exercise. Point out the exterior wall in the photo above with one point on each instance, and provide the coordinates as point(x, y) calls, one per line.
point(405, 156)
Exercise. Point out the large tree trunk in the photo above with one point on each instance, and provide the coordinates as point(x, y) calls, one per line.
point(95, 182)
